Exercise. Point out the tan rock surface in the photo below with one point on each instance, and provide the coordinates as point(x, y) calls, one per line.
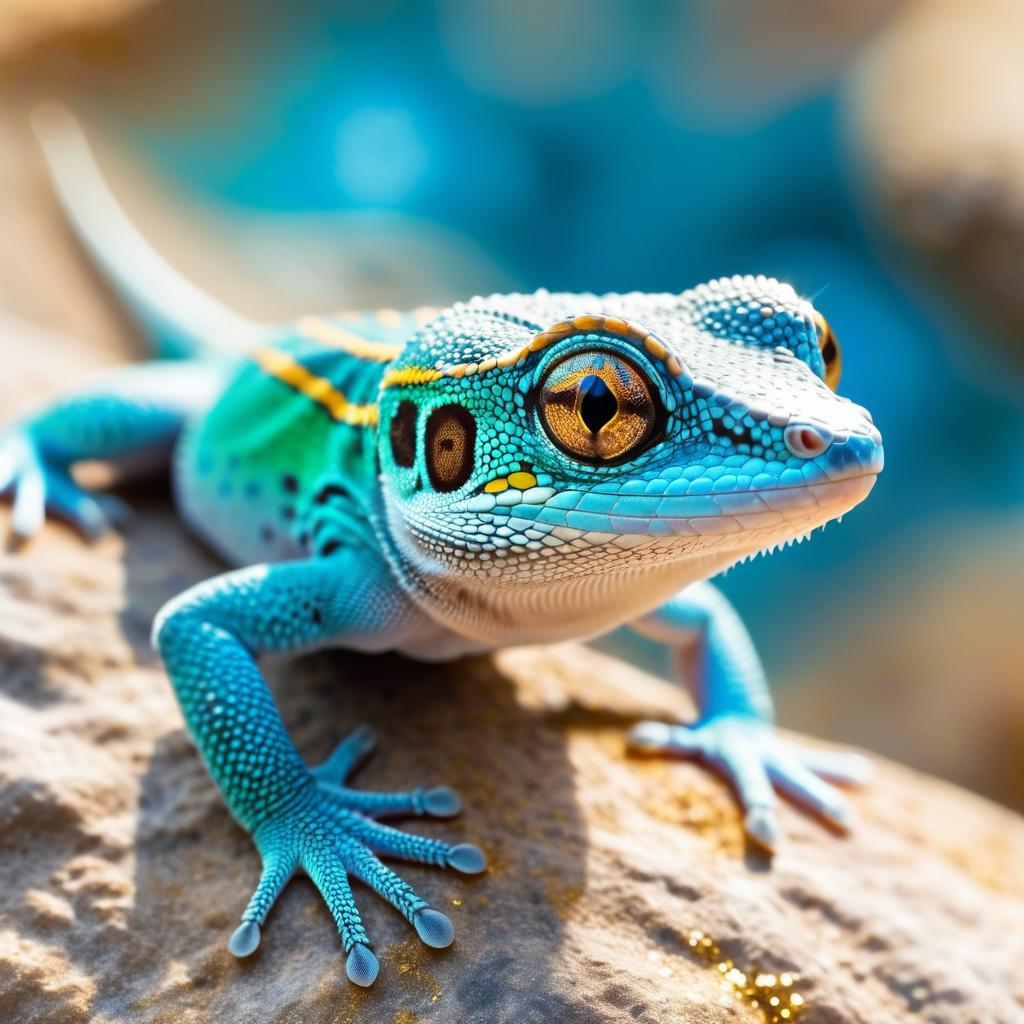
point(121, 874)
point(24, 23)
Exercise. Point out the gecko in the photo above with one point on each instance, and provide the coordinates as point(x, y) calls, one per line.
point(513, 469)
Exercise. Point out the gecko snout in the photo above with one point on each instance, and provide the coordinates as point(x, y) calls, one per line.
point(807, 440)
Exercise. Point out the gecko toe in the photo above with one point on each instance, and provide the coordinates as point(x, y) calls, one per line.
point(433, 928)
point(245, 939)
point(467, 858)
point(761, 826)
point(441, 802)
point(362, 966)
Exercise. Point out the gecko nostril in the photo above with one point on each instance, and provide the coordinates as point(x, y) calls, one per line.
point(807, 441)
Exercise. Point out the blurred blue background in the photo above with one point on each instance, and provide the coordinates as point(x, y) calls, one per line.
point(439, 150)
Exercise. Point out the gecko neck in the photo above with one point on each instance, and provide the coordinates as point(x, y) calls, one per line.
point(546, 607)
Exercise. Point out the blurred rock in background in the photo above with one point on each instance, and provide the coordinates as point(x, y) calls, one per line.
point(24, 23)
point(937, 127)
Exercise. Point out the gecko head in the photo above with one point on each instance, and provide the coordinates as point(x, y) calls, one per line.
point(527, 439)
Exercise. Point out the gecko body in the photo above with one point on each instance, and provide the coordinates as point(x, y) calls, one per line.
point(514, 469)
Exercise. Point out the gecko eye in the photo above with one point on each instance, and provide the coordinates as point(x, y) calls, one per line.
point(596, 407)
point(451, 437)
point(829, 351)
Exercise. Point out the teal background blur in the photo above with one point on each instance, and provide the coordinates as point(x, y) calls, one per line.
point(440, 150)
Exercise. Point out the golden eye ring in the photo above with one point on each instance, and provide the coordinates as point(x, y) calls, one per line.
point(828, 345)
point(597, 407)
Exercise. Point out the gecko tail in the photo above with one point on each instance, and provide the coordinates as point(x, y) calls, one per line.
point(179, 319)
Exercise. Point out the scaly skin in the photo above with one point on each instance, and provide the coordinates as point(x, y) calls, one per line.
point(515, 469)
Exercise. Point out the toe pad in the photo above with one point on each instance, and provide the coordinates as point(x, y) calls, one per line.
point(362, 966)
point(245, 939)
point(760, 825)
point(467, 858)
point(434, 928)
point(441, 802)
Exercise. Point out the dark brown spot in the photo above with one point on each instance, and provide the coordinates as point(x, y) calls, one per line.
point(402, 434)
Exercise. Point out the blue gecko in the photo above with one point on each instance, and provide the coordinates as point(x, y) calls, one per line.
point(515, 469)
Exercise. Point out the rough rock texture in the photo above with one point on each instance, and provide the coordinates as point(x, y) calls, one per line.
point(121, 874)
point(940, 144)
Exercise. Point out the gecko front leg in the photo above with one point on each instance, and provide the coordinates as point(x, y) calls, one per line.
point(735, 731)
point(301, 819)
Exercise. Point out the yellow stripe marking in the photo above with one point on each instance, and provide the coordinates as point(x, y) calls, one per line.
point(557, 332)
point(410, 375)
point(337, 337)
point(318, 389)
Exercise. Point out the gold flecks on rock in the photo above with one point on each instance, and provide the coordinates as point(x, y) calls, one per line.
point(410, 959)
point(772, 994)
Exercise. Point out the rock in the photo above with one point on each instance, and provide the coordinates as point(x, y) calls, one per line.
point(23, 23)
point(952, 697)
point(122, 875)
point(939, 144)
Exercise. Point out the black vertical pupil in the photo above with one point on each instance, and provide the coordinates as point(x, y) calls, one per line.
point(598, 405)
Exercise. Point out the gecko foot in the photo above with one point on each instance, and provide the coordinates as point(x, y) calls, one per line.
point(39, 484)
point(756, 760)
point(332, 833)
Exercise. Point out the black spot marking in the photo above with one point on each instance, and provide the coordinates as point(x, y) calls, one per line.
point(739, 434)
point(288, 512)
point(317, 616)
point(330, 547)
point(290, 482)
point(266, 534)
point(402, 434)
point(450, 444)
point(329, 491)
